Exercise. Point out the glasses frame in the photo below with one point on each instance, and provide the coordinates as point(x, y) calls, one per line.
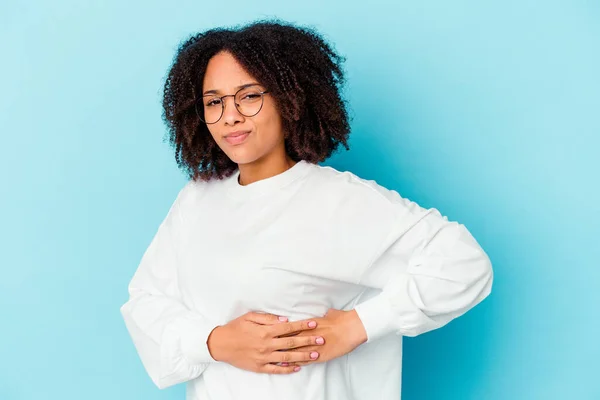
point(222, 99)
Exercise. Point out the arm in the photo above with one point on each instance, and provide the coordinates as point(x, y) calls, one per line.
point(169, 337)
point(426, 271)
point(177, 344)
point(429, 273)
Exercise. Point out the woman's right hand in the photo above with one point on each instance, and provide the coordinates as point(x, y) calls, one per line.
point(263, 343)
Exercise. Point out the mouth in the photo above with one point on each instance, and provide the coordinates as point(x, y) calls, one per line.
point(237, 137)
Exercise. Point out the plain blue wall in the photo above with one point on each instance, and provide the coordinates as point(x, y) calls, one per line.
point(488, 112)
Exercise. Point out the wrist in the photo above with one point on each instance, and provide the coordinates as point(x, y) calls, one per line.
point(358, 333)
point(213, 343)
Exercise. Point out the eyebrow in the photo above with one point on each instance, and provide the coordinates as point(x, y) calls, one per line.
point(213, 91)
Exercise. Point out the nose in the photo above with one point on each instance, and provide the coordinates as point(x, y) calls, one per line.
point(231, 115)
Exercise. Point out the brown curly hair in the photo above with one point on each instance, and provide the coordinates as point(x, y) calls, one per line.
point(300, 69)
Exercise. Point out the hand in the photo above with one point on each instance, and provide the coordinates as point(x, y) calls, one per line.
point(343, 331)
point(256, 342)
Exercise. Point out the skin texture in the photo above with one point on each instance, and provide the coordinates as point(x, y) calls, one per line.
point(343, 331)
point(258, 342)
point(263, 153)
point(261, 342)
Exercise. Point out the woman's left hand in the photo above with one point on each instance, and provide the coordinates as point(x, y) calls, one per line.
point(342, 331)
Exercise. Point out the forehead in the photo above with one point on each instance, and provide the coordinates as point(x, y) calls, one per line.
point(224, 74)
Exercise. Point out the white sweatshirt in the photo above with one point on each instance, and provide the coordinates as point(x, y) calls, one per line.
point(297, 244)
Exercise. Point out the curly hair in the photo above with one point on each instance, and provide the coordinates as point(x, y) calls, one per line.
point(300, 69)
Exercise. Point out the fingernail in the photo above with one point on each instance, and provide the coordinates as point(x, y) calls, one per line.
point(296, 369)
point(283, 319)
point(320, 340)
point(314, 355)
point(312, 324)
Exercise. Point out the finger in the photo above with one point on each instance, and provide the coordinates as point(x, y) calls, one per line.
point(288, 328)
point(307, 348)
point(278, 369)
point(289, 357)
point(290, 334)
point(296, 342)
point(265, 319)
point(302, 363)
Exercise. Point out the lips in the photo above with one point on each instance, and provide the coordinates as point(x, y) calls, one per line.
point(237, 137)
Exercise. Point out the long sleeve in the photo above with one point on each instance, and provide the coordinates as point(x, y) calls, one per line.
point(169, 337)
point(429, 270)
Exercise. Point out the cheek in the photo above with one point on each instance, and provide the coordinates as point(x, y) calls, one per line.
point(215, 133)
point(270, 123)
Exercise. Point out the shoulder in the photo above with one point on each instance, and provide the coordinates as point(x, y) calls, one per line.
point(195, 191)
point(349, 188)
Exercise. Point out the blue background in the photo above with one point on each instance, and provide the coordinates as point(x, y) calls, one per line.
point(487, 111)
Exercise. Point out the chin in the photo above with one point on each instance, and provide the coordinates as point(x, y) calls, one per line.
point(240, 156)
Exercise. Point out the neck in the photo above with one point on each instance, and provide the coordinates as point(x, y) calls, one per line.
point(263, 169)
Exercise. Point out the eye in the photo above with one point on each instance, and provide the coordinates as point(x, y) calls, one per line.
point(250, 96)
point(215, 101)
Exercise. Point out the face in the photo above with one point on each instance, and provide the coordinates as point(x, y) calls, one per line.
point(243, 139)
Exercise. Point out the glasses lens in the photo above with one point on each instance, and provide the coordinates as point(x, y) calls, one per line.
point(249, 101)
point(212, 109)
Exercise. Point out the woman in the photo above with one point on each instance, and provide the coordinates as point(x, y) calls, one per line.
point(273, 277)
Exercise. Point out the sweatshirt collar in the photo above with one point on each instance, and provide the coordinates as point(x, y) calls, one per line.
point(268, 185)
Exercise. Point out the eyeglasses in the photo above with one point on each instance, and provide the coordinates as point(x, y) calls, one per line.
point(248, 101)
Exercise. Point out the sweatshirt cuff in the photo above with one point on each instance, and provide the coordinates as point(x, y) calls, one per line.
point(193, 340)
point(377, 317)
